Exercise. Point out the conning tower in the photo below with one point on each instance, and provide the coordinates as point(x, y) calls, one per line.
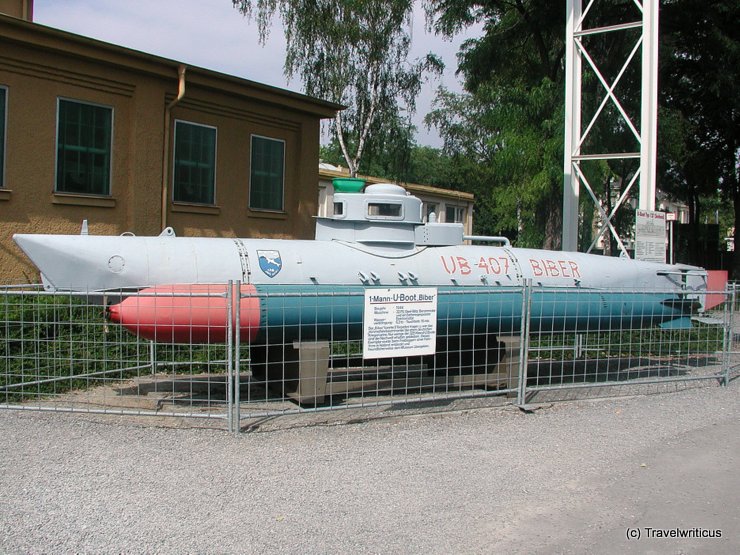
point(383, 214)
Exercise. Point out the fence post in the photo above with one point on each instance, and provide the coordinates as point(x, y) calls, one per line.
point(229, 357)
point(153, 357)
point(578, 349)
point(524, 343)
point(237, 355)
point(728, 336)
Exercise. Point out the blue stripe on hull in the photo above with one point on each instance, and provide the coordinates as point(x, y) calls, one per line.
point(336, 312)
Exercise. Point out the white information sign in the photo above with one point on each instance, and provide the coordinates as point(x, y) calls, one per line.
point(400, 321)
point(650, 237)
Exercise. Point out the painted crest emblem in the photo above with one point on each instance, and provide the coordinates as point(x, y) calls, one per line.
point(270, 262)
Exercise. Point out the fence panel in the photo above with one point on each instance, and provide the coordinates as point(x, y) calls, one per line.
point(59, 351)
point(308, 352)
point(628, 339)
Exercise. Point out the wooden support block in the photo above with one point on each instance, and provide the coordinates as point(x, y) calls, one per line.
point(313, 368)
point(313, 382)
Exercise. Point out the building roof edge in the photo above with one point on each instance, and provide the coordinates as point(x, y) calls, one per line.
point(19, 30)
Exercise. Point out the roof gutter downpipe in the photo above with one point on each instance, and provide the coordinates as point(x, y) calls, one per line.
point(166, 154)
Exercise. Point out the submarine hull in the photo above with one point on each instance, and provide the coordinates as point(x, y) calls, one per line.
point(101, 263)
point(314, 289)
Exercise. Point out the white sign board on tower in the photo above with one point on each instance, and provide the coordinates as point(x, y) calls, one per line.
point(399, 321)
point(650, 236)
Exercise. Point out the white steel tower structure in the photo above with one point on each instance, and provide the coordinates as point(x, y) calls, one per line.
point(578, 59)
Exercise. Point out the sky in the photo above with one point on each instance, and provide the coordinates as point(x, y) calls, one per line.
point(212, 34)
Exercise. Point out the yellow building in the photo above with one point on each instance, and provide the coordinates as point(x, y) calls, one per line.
point(133, 142)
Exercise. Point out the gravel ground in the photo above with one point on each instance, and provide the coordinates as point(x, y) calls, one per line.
point(571, 477)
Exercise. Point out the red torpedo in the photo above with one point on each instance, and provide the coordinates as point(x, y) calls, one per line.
point(188, 313)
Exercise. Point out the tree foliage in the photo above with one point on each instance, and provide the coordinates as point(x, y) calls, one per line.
point(503, 141)
point(413, 163)
point(509, 123)
point(353, 53)
point(522, 40)
point(699, 129)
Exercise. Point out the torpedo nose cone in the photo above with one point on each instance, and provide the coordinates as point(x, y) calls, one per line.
point(38, 249)
point(66, 263)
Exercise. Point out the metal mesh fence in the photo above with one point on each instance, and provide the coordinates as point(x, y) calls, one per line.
point(60, 352)
point(231, 353)
point(310, 351)
point(627, 337)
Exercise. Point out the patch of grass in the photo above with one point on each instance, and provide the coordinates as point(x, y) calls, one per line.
point(651, 342)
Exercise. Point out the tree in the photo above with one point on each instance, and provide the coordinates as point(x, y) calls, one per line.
point(353, 53)
point(502, 140)
point(510, 122)
point(700, 70)
point(416, 164)
point(523, 40)
point(392, 162)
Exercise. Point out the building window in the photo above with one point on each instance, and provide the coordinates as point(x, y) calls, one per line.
point(454, 214)
point(83, 148)
point(3, 110)
point(194, 178)
point(267, 174)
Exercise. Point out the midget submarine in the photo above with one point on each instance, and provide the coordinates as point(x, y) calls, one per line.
point(311, 290)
